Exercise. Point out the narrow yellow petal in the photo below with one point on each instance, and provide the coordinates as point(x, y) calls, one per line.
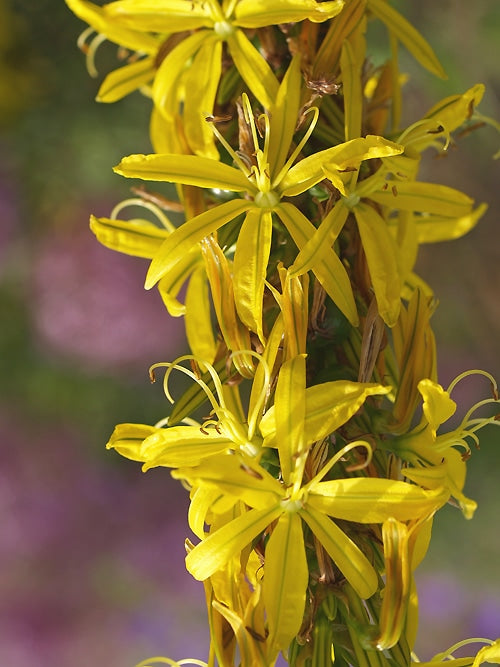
point(350, 560)
point(408, 35)
point(98, 19)
point(434, 228)
point(260, 13)
point(250, 267)
point(327, 268)
point(253, 68)
point(234, 476)
point(327, 57)
point(127, 439)
point(170, 285)
point(190, 233)
point(438, 407)
point(351, 63)
point(139, 238)
point(283, 117)
point(328, 406)
point(166, 17)
point(167, 83)
point(324, 237)
point(348, 155)
point(373, 500)
point(286, 577)
point(289, 412)
point(199, 331)
point(425, 197)
point(380, 250)
point(215, 551)
point(125, 80)
point(174, 446)
point(490, 654)
point(200, 83)
point(453, 111)
point(186, 169)
point(235, 334)
point(397, 583)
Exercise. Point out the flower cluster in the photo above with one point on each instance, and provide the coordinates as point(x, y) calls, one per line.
point(315, 476)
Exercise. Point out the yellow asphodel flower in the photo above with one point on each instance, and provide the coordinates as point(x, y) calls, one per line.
point(489, 654)
point(186, 68)
point(266, 178)
point(299, 417)
point(435, 459)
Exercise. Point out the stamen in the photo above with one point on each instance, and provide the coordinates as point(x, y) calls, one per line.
point(81, 41)
point(247, 110)
point(476, 371)
point(296, 152)
point(218, 407)
point(143, 204)
point(237, 159)
point(90, 54)
point(259, 403)
point(335, 459)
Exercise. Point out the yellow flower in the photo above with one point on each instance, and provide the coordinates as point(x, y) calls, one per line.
point(266, 178)
point(298, 418)
point(434, 457)
point(189, 73)
point(489, 653)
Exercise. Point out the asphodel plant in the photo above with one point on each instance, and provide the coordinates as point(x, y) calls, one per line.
point(313, 439)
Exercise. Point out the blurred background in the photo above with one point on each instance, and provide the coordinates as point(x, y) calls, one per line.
point(91, 549)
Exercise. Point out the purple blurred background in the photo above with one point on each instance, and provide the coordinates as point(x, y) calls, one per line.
point(91, 549)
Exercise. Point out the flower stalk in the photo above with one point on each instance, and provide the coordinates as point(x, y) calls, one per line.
point(324, 455)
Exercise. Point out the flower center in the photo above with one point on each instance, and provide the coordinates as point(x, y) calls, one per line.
point(223, 29)
point(351, 200)
point(268, 199)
